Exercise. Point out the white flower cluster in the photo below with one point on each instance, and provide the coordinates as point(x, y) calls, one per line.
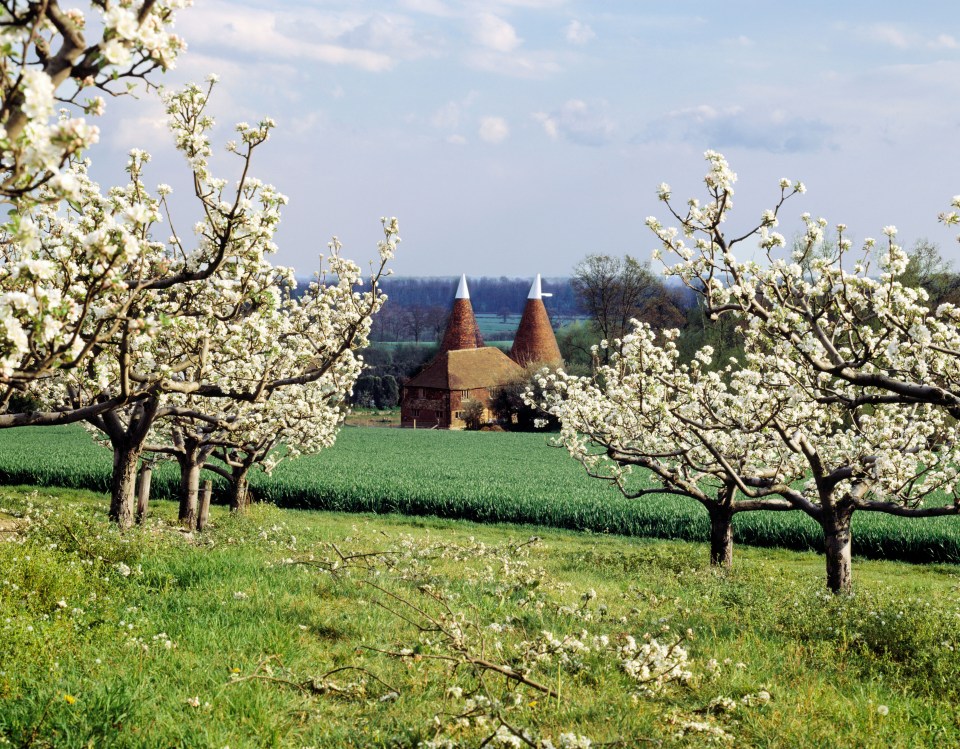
point(654, 664)
point(480, 711)
point(567, 651)
point(134, 38)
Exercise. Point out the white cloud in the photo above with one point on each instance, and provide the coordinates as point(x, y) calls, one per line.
point(776, 131)
point(943, 41)
point(394, 34)
point(427, 7)
point(447, 116)
point(903, 39)
point(148, 132)
point(530, 65)
point(550, 125)
point(494, 33)
point(884, 33)
point(450, 115)
point(374, 42)
point(456, 139)
point(579, 33)
point(493, 129)
point(529, 4)
point(578, 122)
point(310, 124)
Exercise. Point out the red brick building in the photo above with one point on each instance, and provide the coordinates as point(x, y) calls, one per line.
point(465, 368)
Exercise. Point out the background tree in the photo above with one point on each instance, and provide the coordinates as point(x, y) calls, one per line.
point(517, 403)
point(388, 323)
point(436, 322)
point(612, 291)
point(928, 270)
point(576, 342)
point(721, 333)
point(473, 411)
point(415, 322)
point(371, 391)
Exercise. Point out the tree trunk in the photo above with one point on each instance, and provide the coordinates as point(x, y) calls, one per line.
point(189, 491)
point(143, 493)
point(239, 491)
point(123, 484)
point(837, 542)
point(127, 439)
point(204, 517)
point(721, 537)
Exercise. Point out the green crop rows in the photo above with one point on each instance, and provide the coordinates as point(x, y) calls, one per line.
point(489, 477)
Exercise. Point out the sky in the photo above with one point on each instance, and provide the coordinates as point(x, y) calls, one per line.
point(515, 137)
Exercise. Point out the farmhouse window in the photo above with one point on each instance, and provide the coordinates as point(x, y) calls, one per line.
point(464, 393)
point(416, 413)
point(459, 414)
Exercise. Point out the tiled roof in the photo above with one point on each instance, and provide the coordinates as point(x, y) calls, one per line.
point(467, 369)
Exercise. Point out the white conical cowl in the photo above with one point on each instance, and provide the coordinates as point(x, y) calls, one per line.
point(462, 291)
point(536, 292)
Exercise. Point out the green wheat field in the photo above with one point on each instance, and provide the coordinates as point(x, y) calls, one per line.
point(484, 477)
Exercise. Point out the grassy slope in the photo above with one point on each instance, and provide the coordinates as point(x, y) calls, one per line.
point(491, 477)
point(73, 670)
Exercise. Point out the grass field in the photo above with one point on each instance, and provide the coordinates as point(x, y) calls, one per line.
point(374, 417)
point(269, 631)
point(488, 477)
point(495, 328)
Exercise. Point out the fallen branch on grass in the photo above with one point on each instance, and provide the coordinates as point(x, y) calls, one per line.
point(454, 637)
point(318, 685)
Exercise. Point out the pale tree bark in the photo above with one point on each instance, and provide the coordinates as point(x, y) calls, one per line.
point(239, 491)
point(203, 518)
point(189, 490)
point(240, 462)
point(143, 493)
point(837, 547)
point(127, 439)
point(721, 536)
point(122, 484)
point(191, 454)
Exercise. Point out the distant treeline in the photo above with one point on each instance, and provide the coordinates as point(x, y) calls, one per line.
point(488, 296)
point(491, 296)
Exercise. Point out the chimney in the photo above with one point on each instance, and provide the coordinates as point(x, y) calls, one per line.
point(462, 329)
point(535, 341)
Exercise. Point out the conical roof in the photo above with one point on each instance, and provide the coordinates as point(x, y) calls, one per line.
point(462, 330)
point(535, 341)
